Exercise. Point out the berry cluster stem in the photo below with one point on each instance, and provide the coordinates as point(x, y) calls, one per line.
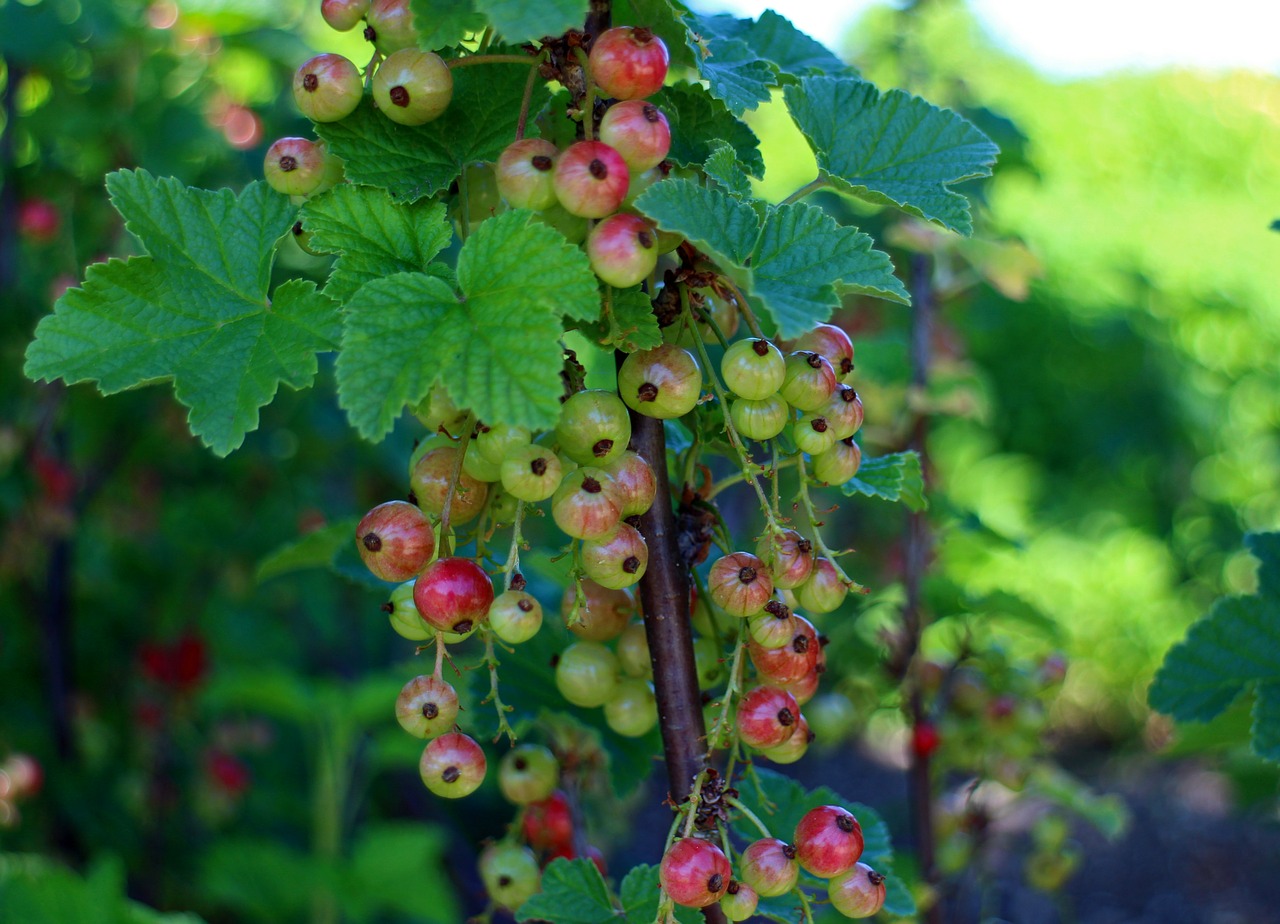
point(814, 527)
point(468, 428)
point(470, 60)
point(492, 663)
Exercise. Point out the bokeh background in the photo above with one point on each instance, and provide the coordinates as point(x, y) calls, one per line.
point(1103, 410)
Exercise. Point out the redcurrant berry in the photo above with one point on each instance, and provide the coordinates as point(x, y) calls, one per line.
point(844, 412)
point(828, 841)
point(602, 612)
point(639, 132)
point(294, 166)
point(528, 773)
point(838, 464)
point(618, 561)
point(327, 88)
point(623, 250)
point(510, 874)
point(452, 766)
point(391, 27)
point(515, 616)
point(694, 872)
point(761, 419)
point(663, 382)
point(739, 901)
point(636, 480)
point(531, 473)
point(548, 825)
point(789, 557)
point(413, 87)
point(753, 369)
point(587, 505)
point(591, 179)
point(628, 63)
point(431, 479)
point(791, 661)
point(740, 584)
point(427, 707)
point(809, 382)
point(794, 747)
point(632, 710)
point(594, 427)
point(587, 674)
point(769, 866)
point(453, 594)
point(526, 173)
point(824, 591)
point(832, 343)
point(633, 651)
point(343, 15)
point(858, 893)
point(767, 717)
point(772, 627)
point(395, 540)
point(813, 434)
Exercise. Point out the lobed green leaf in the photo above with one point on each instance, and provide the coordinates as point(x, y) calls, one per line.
point(733, 71)
point(573, 892)
point(522, 21)
point(639, 894)
point(700, 123)
point(895, 477)
point(441, 23)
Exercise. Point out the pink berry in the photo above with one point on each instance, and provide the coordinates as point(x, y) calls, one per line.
point(39, 220)
point(617, 561)
point(628, 63)
point(327, 88)
point(694, 872)
point(526, 174)
point(809, 382)
point(453, 594)
point(548, 824)
point(740, 584)
point(452, 766)
point(858, 893)
point(431, 478)
point(793, 660)
point(769, 866)
point(413, 87)
point(343, 15)
point(838, 464)
point(639, 132)
point(828, 841)
point(789, 557)
point(824, 591)
point(663, 382)
point(427, 707)
point(844, 412)
point(391, 26)
point(294, 166)
point(767, 717)
point(587, 505)
point(636, 480)
point(395, 540)
point(832, 343)
point(603, 612)
point(591, 179)
point(623, 250)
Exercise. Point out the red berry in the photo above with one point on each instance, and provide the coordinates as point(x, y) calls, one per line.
point(526, 174)
point(587, 505)
point(824, 591)
point(294, 166)
point(227, 773)
point(769, 866)
point(39, 220)
point(623, 250)
point(549, 824)
point(427, 707)
point(528, 773)
point(343, 14)
point(591, 179)
point(740, 584)
point(694, 872)
point(628, 63)
point(431, 478)
point(327, 88)
point(767, 717)
point(188, 661)
point(413, 87)
point(832, 343)
point(452, 766)
point(395, 540)
point(925, 739)
point(791, 661)
point(844, 412)
point(664, 382)
point(639, 132)
point(828, 841)
point(618, 561)
point(603, 612)
point(789, 557)
point(453, 594)
point(858, 893)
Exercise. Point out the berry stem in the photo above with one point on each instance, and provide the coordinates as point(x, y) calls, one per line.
point(804, 904)
point(729, 481)
point(469, 60)
point(468, 428)
point(492, 663)
point(526, 100)
point(588, 101)
point(750, 816)
point(815, 523)
point(733, 687)
point(744, 308)
point(440, 656)
point(812, 186)
point(512, 567)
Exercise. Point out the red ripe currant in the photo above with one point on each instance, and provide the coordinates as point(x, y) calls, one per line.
point(832, 343)
point(635, 479)
point(510, 874)
point(327, 88)
point(395, 540)
point(789, 557)
point(767, 717)
point(858, 893)
point(632, 710)
point(343, 15)
point(515, 616)
point(633, 651)
point(587, 674)
point(452, 766)
point(753, 369)
point(740, 584)
point(548, 824)
point(628, 63)
point(453, 594)
point(639, 132)
point(769, 866)
point(813, 434)
point(587, 505)
point(739, 901)
point(925, 739)
point(294, 166)
point(531, 473)
point(39, 220)
point(804, 688)
point(528, 773)
point(618, 561)
point(623, 250)
point(794, 747)
point(838, 464)
point(526, 173)
point(431, 479)
point(591, 179)
point(772, 627)
point(594, 427)
point(602, 614)
point(694, 872)
point(828, 841)
point(663, 382)
point(791, 661)
point(413, 87)
point(427, 707)
point(824, 591)
point(844, 412)
point(809, 382)
point(761, 419)
point(391, 26)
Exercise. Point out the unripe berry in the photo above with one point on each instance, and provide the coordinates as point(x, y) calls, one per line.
point(664, 382)
point(794, 747)
point(789, 558)
point(602, 612)
point(832, 343)
point(709, 661)
point(772, 627)
point(740, 584)
point(635, 479)
point(639, 132)
point(452, 766)
point(528, 773)
point(591, 179)
point(515, 616)
point(405, 618)
point(824, 591)
point(480, 468)
point(587, 505)
point(587, 674)
point(628, 63)
point(633, 651)
point(438, 412)
point(844, 412)
point(294, 166)
point(526, 173)
point(327, 88)
point(431, 479)
point(767, 717)
point(694, 872)
point(391, 26)
point(791, 661)
point(812, 434)
point(594, 427)
point(753, 369)
point(769, 866)
point(618, 561)
point(828, 841)
point(632, 710)
point(531, 473)
point(809, 382)
point(838, 464)
point(739, 901)
point(760, 420)
point(573, 227)
point(453, 594)
point(343, 15)
point(334, 171)
point(427, 707)
point(623, 250)
point(510, 874)
point(413, 87)
point(858, 893)
point(395, 540)
point(496, 443)
point(548, 825)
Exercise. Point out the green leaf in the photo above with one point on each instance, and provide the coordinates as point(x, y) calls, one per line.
point(795, 261)
point(441, 23)
point(374, 236)
point(259, 879)
point(775, 39)
point(891, 149)
point(573, 892)
point(398, 867)
point(1108, 813)
point(522, 21)
point(317, 549)
point(1266, 548)
point(496, 350)
point(195, 311)
point(411, 162)
point(723, 167)
point(700, 123)
point(734, 73)
point(666, 18)
point(627, 322)
point(1266, 722)
point(639, 894)
point(895, 477)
